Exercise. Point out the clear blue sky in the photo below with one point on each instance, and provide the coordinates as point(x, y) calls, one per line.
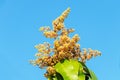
point(96, 21)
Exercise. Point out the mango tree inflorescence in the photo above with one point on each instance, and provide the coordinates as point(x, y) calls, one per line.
point(64, 60)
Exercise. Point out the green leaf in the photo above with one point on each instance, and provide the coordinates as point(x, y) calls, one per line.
point(69, 70)
point(72, 70)
point(93, 76)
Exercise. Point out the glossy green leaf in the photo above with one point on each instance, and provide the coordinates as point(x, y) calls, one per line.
point(72, 70)
point(69, 70)
point(93, 76)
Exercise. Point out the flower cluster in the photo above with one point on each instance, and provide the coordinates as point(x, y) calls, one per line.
point(88, 54)
point(64, 47)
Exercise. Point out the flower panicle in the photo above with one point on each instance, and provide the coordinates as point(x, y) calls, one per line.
point(64, 47)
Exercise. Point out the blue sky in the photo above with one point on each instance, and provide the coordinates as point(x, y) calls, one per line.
point(96, 21)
